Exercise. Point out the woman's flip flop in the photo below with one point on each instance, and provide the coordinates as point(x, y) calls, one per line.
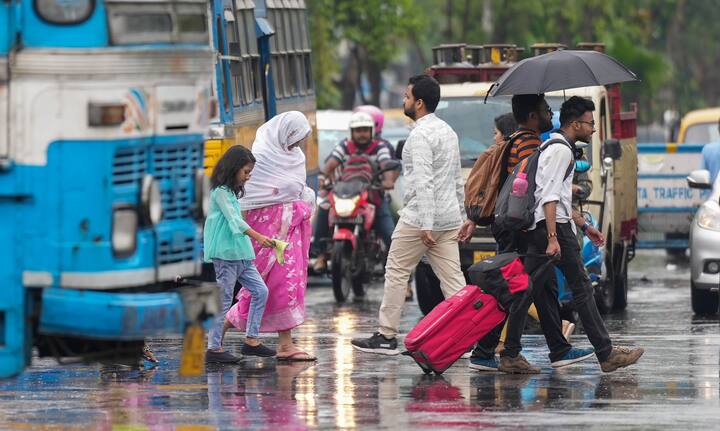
point(297, 357)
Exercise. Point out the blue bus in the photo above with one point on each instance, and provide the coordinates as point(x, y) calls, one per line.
point(263, 68)
point(104, 105)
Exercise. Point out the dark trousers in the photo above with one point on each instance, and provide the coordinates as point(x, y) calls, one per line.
point(545, 296)
point(516, 308)
point(383, 225)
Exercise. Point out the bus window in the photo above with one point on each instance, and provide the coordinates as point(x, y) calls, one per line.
point(149, 24)
point(192, 23)
point(292, 75)
point(136, 23)
point(234, 48)
point(308, 74)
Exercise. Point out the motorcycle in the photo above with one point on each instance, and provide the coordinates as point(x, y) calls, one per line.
point(356, 249)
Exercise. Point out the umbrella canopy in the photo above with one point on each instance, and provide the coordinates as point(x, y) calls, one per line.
point(561, 70)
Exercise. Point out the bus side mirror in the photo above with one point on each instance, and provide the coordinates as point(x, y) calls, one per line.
point(612, 149)
point(699, 179)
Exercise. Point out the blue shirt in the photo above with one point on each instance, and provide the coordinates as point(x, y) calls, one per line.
point(711, 160)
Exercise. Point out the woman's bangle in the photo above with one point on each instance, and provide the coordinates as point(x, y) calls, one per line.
point(552, 235)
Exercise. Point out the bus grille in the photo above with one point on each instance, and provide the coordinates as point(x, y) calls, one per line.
point(174, 166)
point(128, 166)
point(176, 251)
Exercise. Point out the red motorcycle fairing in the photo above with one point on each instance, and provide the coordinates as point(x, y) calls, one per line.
point(345, 234)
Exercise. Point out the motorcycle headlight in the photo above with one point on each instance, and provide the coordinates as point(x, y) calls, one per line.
point(124, 231)
point(345, 207)
point(202, 194)
point(150, 200)
point(708, 216)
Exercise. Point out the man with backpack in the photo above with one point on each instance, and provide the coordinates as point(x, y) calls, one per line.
point(533, 116)
point(361, 143)
point(551, 232)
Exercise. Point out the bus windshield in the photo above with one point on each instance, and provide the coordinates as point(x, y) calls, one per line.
point(136, 22)
point(474, 121)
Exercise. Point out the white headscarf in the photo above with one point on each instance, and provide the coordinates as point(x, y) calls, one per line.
point(279, 175)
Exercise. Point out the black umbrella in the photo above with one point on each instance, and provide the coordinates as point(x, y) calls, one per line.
point(561, 70)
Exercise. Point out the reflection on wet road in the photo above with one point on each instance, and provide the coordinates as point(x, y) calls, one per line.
point(674, 386)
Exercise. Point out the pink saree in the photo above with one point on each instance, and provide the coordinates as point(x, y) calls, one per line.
point(285, 309)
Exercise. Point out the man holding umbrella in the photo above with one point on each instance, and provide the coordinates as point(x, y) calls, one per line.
point(551, 232)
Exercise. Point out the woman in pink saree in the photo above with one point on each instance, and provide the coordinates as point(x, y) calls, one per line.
point(279, 205)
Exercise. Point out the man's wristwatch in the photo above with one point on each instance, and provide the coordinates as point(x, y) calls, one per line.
point(584, 228)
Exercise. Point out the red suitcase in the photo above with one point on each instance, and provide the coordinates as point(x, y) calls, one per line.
point(451, 328)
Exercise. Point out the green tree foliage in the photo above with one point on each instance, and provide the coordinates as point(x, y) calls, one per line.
point(373, 31)
point(673, 45)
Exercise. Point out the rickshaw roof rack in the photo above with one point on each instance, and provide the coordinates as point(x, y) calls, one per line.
point(450, 55)
point(460, 62)
point(591, 46)
point(544, 48)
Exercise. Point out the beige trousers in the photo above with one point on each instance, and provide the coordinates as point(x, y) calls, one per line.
point(405, 253)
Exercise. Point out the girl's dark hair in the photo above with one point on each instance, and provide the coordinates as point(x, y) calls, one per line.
point(226, 169)
point(506, 124)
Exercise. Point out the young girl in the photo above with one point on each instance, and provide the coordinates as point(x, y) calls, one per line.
point(227, 244)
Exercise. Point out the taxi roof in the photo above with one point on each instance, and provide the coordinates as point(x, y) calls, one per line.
point(706, 115)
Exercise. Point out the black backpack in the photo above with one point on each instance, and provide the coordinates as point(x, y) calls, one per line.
point(523, 214)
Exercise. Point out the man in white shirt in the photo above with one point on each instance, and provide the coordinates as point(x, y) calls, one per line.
point(432, 214)
point(553, 234)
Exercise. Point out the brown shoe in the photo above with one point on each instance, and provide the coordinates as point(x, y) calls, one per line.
point(320, 263)
point(621, 357)
point(517, 365)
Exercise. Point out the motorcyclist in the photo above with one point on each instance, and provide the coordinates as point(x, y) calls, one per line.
point(361, 142)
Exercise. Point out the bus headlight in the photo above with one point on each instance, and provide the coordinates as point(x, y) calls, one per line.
point(124, 231)
point(150, 200)
point(202, 194)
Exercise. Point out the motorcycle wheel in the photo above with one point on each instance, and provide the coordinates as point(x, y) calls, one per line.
point(341, 271)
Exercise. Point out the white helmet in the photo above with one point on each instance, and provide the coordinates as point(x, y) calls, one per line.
point(361, 119)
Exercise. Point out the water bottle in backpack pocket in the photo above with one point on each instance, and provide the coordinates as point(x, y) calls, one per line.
point(518, 198)
point(515, 206)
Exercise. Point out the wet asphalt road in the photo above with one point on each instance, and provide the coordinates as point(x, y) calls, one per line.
point(674, 386)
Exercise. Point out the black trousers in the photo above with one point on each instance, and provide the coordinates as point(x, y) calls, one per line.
point(545, 295)
point(516, 308)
